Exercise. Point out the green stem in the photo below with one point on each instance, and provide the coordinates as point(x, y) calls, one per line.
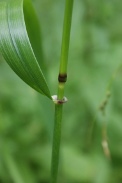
point(56, 143)
point(60, 94)
point(65, 48)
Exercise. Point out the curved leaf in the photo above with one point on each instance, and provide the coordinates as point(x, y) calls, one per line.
point(17, 43)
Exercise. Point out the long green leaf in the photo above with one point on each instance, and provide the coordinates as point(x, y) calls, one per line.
point(17, 43)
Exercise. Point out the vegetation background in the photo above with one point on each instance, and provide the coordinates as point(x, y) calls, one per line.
point(26, 118)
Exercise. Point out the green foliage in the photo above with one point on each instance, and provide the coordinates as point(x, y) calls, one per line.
point(25, 127)
point(15, 45)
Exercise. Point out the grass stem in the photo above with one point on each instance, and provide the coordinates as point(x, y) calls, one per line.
point(60, 94)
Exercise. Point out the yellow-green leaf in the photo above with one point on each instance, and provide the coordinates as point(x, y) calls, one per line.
point(18, 42)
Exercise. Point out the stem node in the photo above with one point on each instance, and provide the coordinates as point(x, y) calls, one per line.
point(62, 78)
point(57, 101)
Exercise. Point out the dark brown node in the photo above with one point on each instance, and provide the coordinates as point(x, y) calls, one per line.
point(60, 101)
point(62, 78)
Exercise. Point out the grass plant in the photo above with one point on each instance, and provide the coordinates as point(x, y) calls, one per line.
point(19, 49)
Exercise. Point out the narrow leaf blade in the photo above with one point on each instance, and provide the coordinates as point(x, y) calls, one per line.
point(16, 47)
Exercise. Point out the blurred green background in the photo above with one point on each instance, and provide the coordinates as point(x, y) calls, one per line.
point(26, 117)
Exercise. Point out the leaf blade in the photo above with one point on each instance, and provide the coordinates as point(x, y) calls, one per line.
point(16, 47)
